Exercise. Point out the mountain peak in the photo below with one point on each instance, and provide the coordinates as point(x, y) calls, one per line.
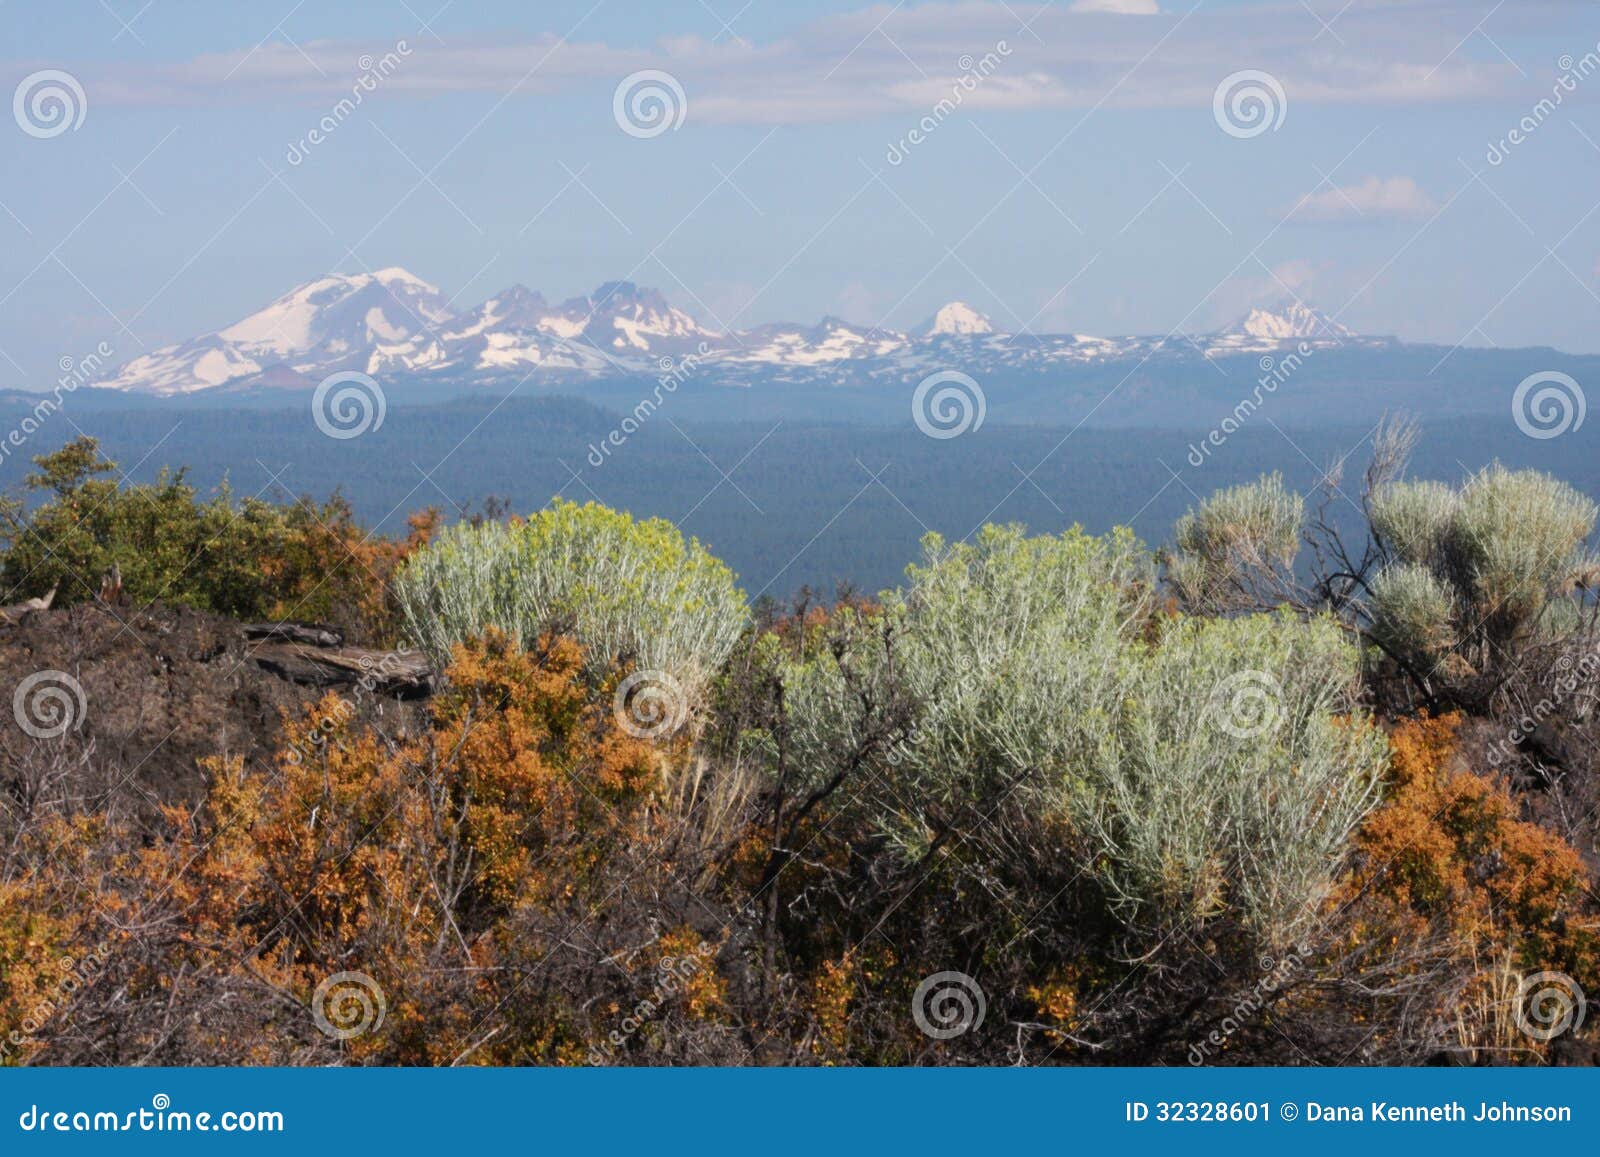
point(1287, 321)
point(395, 275)
point(625, 293)
point(955, 318)
point(625, 317)
point(518, 298)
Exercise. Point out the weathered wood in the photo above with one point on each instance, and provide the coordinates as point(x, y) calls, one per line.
point(16, 612)
point(311, 634)
point(111, 585)
point(402, 673)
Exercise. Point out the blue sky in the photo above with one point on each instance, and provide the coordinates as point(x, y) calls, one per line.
point(1083, 184)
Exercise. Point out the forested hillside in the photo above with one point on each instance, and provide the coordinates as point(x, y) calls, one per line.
point(803, 503)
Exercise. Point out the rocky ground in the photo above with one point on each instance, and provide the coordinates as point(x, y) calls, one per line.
point(150, 692)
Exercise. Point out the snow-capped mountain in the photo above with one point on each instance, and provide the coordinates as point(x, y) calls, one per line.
point(957, 318)
point(1289, 322)
point(395, 326)
point(335, 322)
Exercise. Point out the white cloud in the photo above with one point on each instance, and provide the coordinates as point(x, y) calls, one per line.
point(882, 61)
point(1119, 7)
point(1375, 199)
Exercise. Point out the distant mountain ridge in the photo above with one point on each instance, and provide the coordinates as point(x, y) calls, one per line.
point(393, 325)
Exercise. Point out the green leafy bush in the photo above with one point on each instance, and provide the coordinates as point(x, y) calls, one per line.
point(249, 558)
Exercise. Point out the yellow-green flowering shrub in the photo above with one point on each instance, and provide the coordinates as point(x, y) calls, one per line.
point(630, 591)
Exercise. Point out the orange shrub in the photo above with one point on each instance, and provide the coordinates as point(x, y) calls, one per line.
point(446, 868)
point(1447, 868)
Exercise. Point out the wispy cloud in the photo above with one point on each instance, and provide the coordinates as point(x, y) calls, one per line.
point(1119, 7)
point(1374, 199)
point(887, 60)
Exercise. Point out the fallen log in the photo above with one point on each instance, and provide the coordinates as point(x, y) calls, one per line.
point(16, 612)
point(311, 634)
point(404, 674)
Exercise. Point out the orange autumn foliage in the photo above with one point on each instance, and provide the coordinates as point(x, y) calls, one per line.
point(40, 929)
point(690, 958)
point(831, 990)
point(439, 866)
point(1447, 859)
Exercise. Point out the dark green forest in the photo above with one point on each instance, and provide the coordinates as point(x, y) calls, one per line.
point(803, 503)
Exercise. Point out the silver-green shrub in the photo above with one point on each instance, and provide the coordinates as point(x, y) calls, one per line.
point(1481, 570)
point(1231, 771)
point(628, 591)
point(1414, 519)
point(1465, 590)
point(1516, 539)
point(1414, 612)
point(1006, 640)
point(1203, 765)
point(1242, 535)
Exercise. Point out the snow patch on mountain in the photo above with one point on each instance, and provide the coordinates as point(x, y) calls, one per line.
point(218, 365)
